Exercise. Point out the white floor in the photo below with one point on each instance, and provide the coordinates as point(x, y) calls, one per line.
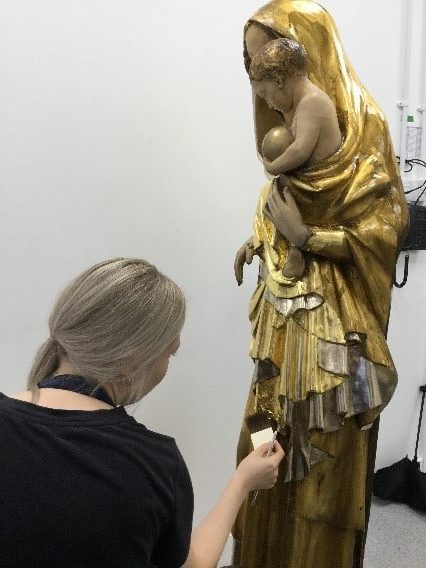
point(396, 537)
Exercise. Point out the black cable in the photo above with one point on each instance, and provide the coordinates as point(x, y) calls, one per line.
point(411, 163)
point(423, 390)
point(406, 162)
point(405, 278)
point(415, 188)
point(414, 160)
point(421, 193)
point(408, 167)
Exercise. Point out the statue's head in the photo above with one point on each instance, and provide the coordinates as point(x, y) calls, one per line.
point(279, 59)
point(274, 68)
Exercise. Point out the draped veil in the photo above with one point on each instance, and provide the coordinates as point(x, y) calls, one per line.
point(323, 369)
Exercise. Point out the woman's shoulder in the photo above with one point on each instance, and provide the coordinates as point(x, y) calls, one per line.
point(115, 429)
point(163, 453)
point(163, 442)
point(22, 395)
point(163, 439)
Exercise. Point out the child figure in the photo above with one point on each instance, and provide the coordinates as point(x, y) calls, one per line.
point(275, 143)
point(278, 74)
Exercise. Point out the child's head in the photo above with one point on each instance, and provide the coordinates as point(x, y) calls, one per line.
point(273, 65)
point(276, 142)
point(280, 58)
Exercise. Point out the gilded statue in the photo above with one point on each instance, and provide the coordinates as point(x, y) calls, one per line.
point(328, 228)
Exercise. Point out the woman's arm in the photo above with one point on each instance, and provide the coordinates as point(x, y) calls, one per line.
point(256, 471)
point(209, 538)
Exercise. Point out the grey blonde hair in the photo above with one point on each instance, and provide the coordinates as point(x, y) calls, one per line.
point(112, 323)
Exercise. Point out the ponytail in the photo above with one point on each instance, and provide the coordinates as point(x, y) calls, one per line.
point(112, 323)
point(45, 363)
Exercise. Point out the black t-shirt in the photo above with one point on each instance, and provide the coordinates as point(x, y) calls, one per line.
point(88, 489)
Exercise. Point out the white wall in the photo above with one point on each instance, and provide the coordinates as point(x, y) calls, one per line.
point(126, 129)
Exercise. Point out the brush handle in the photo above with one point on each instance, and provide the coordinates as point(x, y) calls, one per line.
point(268, 455)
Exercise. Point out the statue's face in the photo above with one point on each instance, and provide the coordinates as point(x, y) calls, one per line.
point(277, 94)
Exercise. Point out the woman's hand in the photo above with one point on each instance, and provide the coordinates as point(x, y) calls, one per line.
point(244, 255)
point(258, 470)
point(282, 210)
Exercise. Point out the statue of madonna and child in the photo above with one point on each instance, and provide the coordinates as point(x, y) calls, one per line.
point(327, 230)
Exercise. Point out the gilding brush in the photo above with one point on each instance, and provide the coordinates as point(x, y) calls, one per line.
point(261, 427)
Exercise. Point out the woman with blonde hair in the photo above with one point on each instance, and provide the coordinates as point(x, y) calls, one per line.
point(82, 482)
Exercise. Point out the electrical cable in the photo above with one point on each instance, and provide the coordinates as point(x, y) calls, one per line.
point(421, 193)
point(422, 187)
point(414, 188)
point(418, 161)
point(411, 163)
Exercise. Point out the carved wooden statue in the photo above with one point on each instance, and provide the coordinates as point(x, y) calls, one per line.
point(327, 230)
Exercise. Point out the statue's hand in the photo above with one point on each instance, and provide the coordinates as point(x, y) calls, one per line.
point(244, 255)
point(295, 265)
point(282, 210)
point(268, 165)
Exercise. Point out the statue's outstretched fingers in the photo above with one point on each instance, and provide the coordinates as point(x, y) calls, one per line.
point(249, 252)
point(239, 264)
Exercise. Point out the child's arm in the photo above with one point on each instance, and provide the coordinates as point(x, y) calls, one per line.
point(310, 114)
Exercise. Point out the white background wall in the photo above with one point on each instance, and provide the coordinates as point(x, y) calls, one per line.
point(126, 130)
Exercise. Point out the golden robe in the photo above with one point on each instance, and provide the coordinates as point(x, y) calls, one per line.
point(323, 370)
